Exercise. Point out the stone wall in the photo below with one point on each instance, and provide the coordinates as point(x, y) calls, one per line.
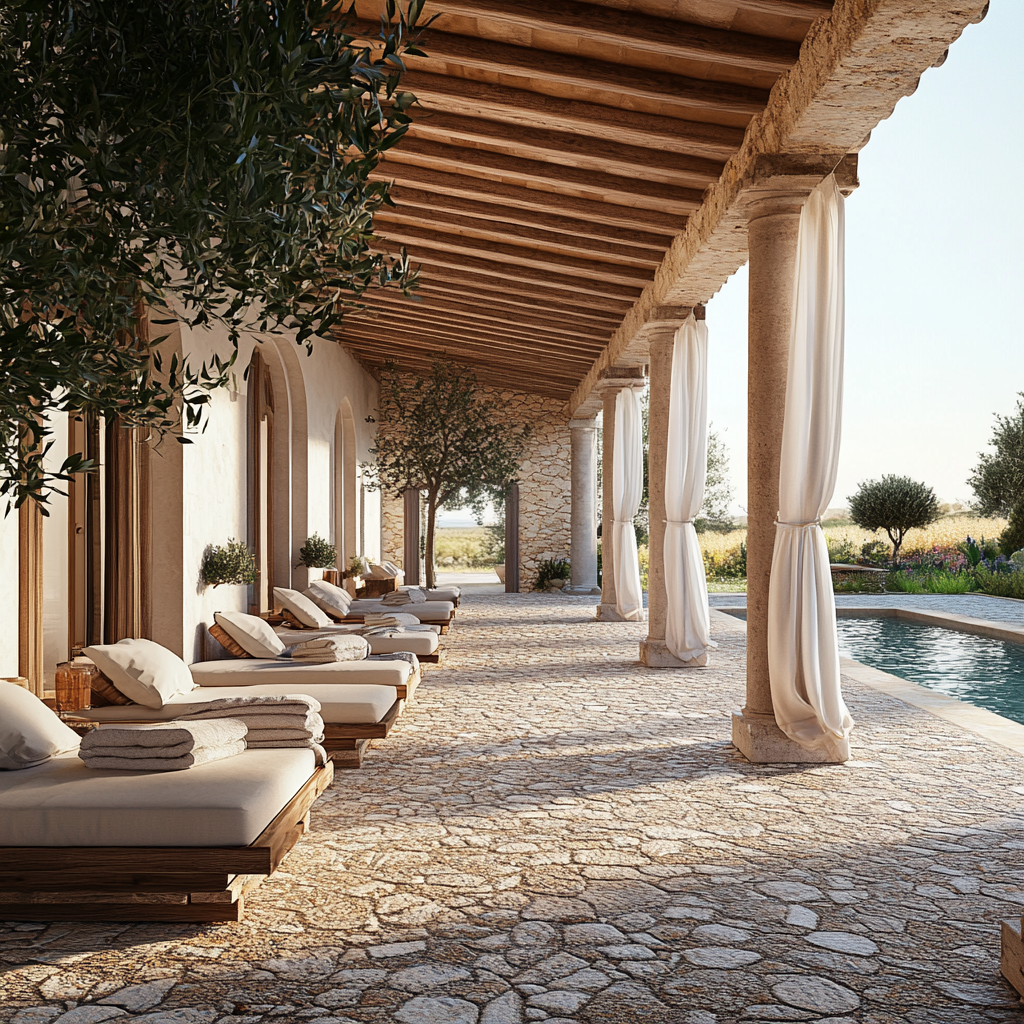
point(392, 529)
point(545, 480)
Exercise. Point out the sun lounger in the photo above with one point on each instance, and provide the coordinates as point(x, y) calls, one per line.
point(85, 844)
point(354, 711)
point(438, 613)
point(424, 644)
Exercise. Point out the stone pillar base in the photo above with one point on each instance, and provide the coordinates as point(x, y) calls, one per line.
point(609, 613)
point(584, 589)
point(655, 654)
point(759, 739)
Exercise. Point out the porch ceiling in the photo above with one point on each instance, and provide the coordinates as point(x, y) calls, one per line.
point(558, 151)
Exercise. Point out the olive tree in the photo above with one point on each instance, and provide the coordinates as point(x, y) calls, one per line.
point(201, 162)
point(895, 504)
point(998, 479)
point(440, 434)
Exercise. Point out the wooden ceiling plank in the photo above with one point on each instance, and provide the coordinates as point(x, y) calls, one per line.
point(622, 295)
point(487, 315)
point(455, 289)
point(465, 325)
point(569, 369)
point(596, 186)
point(512, 234)
point(633, 30)
point(433, 204)
point(480, 287)
point(612, 124)
point(567, 149)
point(520, 255)
point(529, 198)
point(803, 9)
point(554, 73)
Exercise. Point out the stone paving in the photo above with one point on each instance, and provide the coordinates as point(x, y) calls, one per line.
point(553, 833)
point(975, 606)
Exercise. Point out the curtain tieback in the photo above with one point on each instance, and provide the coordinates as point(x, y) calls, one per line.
point(677, 522)
point(622, 522)
point(798, 526)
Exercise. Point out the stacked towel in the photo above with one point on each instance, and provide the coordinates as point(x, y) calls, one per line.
point(398, 656)
point(374, 619)
point(323, 649)
point(290, 720)
point(163, 747)
point(411, 595)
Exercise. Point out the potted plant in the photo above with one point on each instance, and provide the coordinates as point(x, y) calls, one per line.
point(233, 564)
point(552, 574)
point(317, 553)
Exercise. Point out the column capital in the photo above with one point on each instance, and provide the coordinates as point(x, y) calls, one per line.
point(589, 424)
point(779, 183)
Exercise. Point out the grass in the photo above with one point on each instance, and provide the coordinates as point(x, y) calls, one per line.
point(461, 548)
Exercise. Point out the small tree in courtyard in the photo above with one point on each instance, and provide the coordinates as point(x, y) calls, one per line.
point(895, 504)
point(437, 433)
point(998, 479)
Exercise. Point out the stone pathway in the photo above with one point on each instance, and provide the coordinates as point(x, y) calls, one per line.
point(976, 606)
point(553, 833)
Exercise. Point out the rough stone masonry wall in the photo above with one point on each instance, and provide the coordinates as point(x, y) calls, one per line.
point(544, 486)
point(544, 481)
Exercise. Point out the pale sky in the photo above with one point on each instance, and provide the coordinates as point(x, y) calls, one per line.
point(934, 278)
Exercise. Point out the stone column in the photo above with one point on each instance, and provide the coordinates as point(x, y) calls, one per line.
point(653, 651)
point(583, 538)
point(606, 610)
point(773, 225)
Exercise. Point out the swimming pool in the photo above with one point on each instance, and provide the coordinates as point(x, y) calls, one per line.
point(980, 670)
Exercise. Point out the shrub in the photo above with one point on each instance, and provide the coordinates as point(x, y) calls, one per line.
point(1000, 584)
point(233, 563)
point(643, 554)
point(895, 504)
point(731, 565)
point(905, 582)
point(317, 553)
point(841, 550)
point(551, 569)
point(1012, 538)
point(873, 552)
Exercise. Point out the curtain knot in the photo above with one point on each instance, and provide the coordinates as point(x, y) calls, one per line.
point(798, 526)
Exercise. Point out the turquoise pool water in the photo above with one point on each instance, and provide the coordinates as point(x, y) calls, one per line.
point(977, 669)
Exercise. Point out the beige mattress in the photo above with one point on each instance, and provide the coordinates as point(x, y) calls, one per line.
point(340, 705)
point(422, 644)
point(451, 594)
point(223, 803)
point(287, 673)
point(428, 611)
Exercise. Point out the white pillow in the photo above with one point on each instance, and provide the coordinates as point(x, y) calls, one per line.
point(301, 607)
point(254, 635)
point(30, 733)
point(330, 598)
point(380, 572)
point(143, 671)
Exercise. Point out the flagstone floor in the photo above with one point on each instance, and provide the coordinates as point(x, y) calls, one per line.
point(554, 833)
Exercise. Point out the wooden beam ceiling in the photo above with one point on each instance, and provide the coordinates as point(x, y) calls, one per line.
point(556, 151)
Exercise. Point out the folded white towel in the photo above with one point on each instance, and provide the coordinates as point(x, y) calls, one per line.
point(390, 619)
point(411, 595)
point(398, 656)
point(268, 719)
point(197, 756)
point(330, 648)
point(165, 735)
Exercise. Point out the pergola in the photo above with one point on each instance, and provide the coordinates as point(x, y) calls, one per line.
point(582, 176)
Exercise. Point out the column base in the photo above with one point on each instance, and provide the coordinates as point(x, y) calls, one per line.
point(655, 654)
point(582, 589)
point(609, 613)
point(759, 739)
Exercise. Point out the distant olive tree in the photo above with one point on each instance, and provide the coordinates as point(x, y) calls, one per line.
point(895, 504)
point(438, 433)
point(998, 479)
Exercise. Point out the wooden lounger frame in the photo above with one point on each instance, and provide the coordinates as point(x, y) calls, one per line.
point(125, 883)
point(1012, 959)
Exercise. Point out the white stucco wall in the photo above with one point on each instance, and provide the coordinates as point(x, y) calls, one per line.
point(9, 583)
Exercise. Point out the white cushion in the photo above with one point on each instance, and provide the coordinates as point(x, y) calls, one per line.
point(30, 733)
point(301, 607)
point(142, 670)
point(223, 803)
point(254, 635)
point(296, 677)
point(380, 572)
point(330, 598)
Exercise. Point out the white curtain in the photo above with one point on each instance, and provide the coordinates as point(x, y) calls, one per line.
point(627, 490)
point(687, 624)
point(803, 651)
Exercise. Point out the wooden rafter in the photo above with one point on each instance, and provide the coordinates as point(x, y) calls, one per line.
point(556, 151)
